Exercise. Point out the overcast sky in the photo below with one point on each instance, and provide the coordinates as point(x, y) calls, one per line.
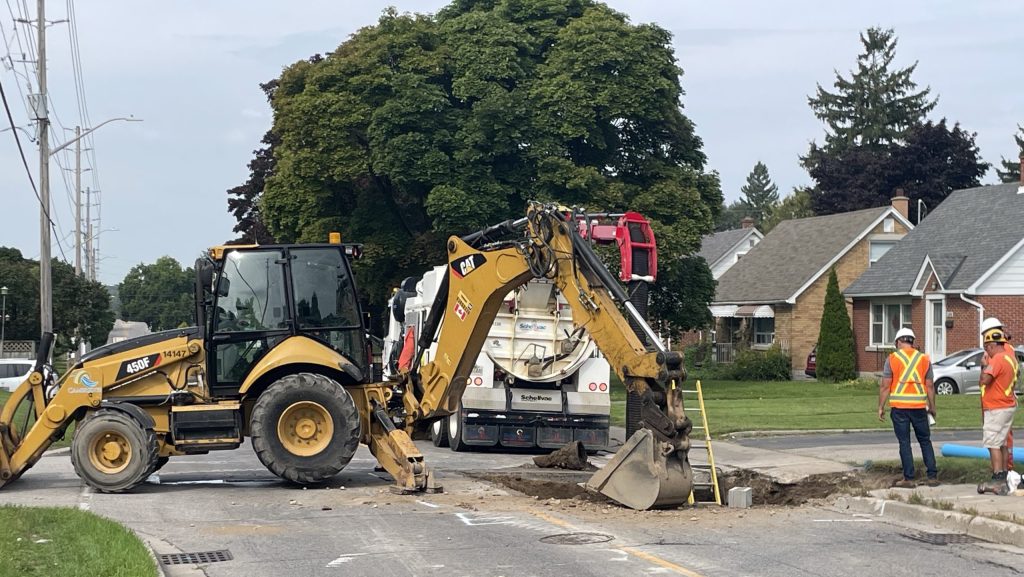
point(191, 70)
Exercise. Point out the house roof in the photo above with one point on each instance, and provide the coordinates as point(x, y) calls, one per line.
point(716, 245)
point(963, 238)
point(793, 255)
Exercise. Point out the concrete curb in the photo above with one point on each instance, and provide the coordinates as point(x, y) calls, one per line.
point(58, 452)
point(158, 546)
point(984, 528)
point(795, 433)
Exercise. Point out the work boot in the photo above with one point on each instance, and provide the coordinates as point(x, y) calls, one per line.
point(905, 484)
point(932, 482)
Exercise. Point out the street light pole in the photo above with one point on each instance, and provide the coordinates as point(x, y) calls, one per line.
point(78, 201)
point(45, 286)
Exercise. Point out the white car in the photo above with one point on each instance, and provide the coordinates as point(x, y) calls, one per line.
point(13, 372)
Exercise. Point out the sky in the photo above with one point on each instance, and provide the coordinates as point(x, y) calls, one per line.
point(190, 69)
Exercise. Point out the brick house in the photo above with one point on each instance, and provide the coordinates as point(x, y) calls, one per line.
point(775, 294)
point(964, 262)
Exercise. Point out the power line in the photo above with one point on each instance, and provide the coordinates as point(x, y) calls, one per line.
point(24, 161)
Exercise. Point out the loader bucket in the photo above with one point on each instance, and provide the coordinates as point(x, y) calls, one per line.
point(640, 475)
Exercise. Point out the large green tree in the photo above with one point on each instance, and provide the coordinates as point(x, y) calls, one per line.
point(760, 194)
point(422, 126)
point(836, 359)
point(159, 294)
point(877, 104)
point(1011, 166)
point(79, 305)
point(933, 161)
point(796, 205)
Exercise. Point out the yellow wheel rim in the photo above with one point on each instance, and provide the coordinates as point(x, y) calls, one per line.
point(110, 452)
point(305, 428)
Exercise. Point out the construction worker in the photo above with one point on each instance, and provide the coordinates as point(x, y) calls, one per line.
point(986, 325)
point(907, 386)
point(998, 406)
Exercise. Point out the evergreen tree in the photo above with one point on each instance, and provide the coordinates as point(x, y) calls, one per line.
point(761, 195)
point(1011, 166)
point(731, 217)
point(877, 104)
point(836, 357)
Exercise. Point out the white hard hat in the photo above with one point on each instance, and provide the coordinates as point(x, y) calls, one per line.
point(905, 333)
point(990, 323)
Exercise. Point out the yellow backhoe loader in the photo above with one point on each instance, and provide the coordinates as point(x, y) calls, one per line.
point(279, 354)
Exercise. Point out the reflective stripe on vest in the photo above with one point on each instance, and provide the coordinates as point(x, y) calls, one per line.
point(1014, 366)
point(907, 391)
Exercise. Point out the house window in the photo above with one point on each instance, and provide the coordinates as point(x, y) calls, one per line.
point(886, 320)
point(878, 249)
point(764, 331)
point(888, 225)
point(751, 243)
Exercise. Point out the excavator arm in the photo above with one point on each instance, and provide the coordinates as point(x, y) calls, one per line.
point(652, 469)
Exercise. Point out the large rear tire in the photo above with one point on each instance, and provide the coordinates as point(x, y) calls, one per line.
point(455, 426)
point(112, 452)
point(305, 428)
point(439, 432)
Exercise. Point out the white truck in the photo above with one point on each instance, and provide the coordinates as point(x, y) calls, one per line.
point(537, 383)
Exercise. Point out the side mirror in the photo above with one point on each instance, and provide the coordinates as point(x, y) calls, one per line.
point(970, 365)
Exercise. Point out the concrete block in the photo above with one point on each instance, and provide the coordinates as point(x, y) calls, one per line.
point(740, 497)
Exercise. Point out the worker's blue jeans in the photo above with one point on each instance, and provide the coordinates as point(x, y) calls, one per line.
point(902, 419)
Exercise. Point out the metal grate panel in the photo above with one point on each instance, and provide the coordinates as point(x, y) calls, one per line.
point(941, 538)
point(195, 558)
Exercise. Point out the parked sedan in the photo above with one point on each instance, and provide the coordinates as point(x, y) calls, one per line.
point(960, 372)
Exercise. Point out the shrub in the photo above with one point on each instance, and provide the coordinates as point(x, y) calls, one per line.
point(770, 365)
point(836, 356)
point(700, 354)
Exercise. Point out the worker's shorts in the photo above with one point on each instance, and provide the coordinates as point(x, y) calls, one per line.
point(997, 423)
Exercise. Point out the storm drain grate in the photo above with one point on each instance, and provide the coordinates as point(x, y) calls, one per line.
point(195, 558)
point(941, 538)
point(576, 538)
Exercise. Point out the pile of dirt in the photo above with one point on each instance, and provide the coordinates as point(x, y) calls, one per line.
point(766, 491)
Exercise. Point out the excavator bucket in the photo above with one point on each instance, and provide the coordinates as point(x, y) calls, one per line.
point(645, 474)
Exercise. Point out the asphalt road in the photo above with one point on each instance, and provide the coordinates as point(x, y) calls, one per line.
point(354, 526)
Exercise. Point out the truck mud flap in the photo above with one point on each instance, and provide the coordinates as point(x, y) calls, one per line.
point(642, 476)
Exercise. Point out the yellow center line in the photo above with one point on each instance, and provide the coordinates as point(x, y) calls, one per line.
point(678, 569)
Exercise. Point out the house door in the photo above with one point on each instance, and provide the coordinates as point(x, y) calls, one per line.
point(935, 322)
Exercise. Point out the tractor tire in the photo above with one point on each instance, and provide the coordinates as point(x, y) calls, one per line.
point(112, 452)
point(439, 432)
point(305, 428)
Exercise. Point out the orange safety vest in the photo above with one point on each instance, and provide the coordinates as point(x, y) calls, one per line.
point(907, 388)
point(1001, 395)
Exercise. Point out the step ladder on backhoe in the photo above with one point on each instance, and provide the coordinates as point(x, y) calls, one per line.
point(693, 402)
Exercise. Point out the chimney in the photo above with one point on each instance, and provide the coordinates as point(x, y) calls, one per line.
point(901, 203)
point(748, 222)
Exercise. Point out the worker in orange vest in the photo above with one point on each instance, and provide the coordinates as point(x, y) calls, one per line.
point(987, 325)
point(907, 386)
point(999, 405)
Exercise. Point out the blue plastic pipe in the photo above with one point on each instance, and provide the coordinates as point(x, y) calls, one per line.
point(966, 451)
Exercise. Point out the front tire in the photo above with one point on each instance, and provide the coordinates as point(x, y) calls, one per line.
point(305, 428)
point(112, 452)
point(946, 387)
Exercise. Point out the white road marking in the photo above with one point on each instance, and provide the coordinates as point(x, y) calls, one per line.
point(84, 497)
point(841, 520)
point(478, 521)
point(344, 559)
point(426, 504)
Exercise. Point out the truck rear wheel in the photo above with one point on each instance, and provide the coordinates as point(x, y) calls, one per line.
point(455, 426)
point(439, 432)
point(112, 452)
point(305, 428)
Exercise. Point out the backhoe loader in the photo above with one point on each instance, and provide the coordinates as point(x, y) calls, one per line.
point(279, 354)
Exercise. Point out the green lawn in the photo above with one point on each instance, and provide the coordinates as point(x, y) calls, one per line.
point(63, 542)
point(804, 405)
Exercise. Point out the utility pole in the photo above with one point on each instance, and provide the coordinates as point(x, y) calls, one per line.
point(78, 201)
point(45, 280)
point(89, 255)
